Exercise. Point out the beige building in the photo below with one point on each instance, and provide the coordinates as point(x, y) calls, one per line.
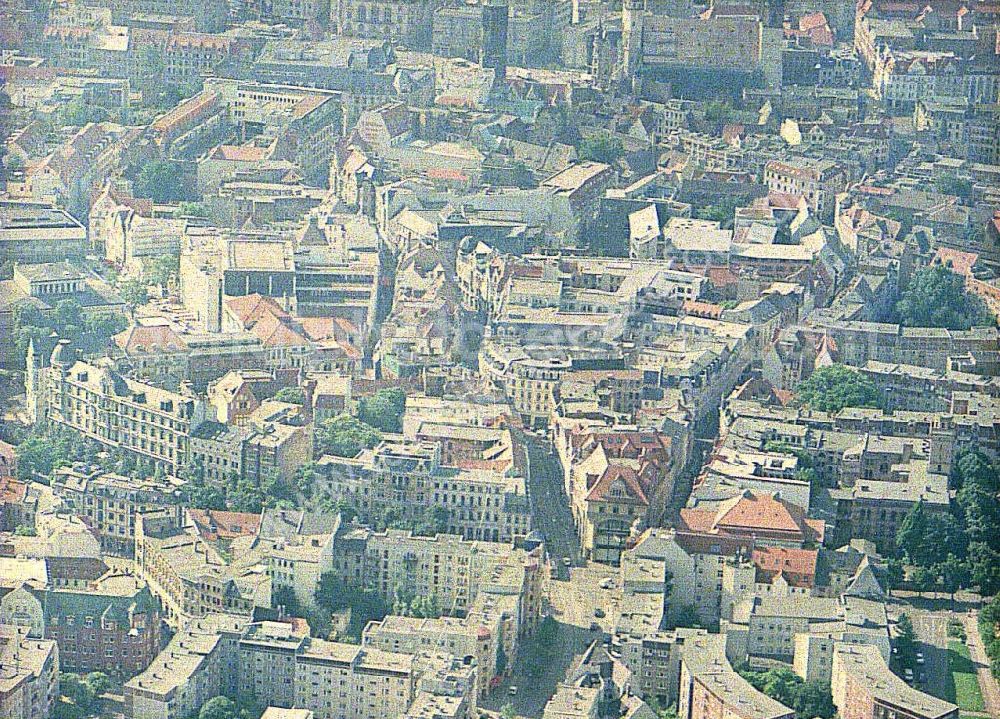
point(110, 502)
point(409, 477)
point(865, 688)
point(198, 664)
point(818, 182)
point(711, 689)
point(190, 576)
point(94, 400)
point(29, 683)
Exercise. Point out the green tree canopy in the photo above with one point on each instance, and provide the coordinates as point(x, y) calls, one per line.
point(832, 388)
point(345, 436)
point(134, 292)
point(160, 180)
point(160, 269)
point(602, 147)
point(936, 297)
point(293, 395)
point(219, 707)
point(384, 409)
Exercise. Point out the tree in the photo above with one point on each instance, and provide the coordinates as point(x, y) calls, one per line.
point(192, 209)
point(685, 615)
point(384, 409)
point(924, 579)
point(984, 568)
point(507, 711)
point(936, 297)
point(34, 456)
point(78, 113)
point(951, 185)
point(782, 684)
point(345, 436)
point(814, 699)
point(294, 395)
point(602, 147)
point(23, 530)
point(894, 574)
point(162, 181)
point(905, 639)
point(77, 691)
point(832, 388)
point(923, 536)
point(134, 292)
point(161, 269)
point(219, 707)
point(99, 682)
point(954, 574)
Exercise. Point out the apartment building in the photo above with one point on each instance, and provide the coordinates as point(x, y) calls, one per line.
point(190, 576)
point(409, 477)
point(469, 638)
point(405, 21)
point(93, 399)
point(111, 626)
point(819, 182)
point(199, 663)
point(796, 629)
point(865, 688)
point(29, 686)
point(465, 576)
point(618, 483)
point(110, 502)
point(711, 689)
point(336, 680)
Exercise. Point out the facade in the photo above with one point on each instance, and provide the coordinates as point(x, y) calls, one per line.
point(94, 400)
point(711, 689)
point(29, 687)
point(818, 182)
point(864, 688)
point(410, 478)
point(111, 626)
point(110, 502)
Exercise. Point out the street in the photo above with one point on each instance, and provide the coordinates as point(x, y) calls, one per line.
point(931, 629)
point(549, 504)
point(545, 660)
point(930, 617)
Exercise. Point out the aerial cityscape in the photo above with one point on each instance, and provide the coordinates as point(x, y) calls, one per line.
point(499, 359)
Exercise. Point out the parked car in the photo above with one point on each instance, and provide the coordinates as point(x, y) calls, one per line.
point(920, 657)
point(908, 675)
point(607, 583)
point(567, 562)
point(599, 613)
point(512, 691)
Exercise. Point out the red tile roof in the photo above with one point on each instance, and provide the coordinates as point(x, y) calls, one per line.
point(155, 339)
point(797, 566)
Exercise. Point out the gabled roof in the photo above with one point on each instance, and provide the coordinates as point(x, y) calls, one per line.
point(600, 490)
point(797, 566)
point(149, 339)
point(251, 308)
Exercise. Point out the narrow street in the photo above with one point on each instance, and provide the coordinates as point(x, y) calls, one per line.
point(549, 504)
